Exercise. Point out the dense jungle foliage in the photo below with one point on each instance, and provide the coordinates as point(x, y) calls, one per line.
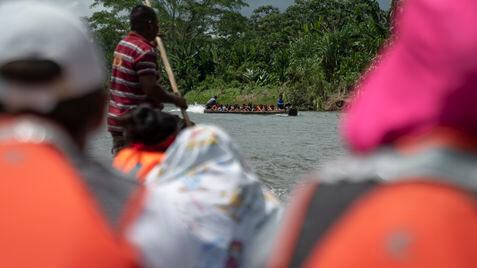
point(313, 52)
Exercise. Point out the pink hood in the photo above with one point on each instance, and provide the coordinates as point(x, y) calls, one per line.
point(426, 79)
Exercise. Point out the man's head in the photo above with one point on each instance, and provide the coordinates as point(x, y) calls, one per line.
point(50, 67)
point(143, 21)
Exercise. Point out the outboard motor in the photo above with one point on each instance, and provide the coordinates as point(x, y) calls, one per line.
point(292, 112)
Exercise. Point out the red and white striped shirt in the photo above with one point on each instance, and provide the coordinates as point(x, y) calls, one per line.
point(134, 56)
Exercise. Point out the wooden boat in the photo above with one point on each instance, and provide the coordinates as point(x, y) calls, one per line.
point(291, 112)
point(241, 112)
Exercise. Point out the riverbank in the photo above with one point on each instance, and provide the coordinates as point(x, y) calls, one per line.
point(265, 95)
point(237, 95)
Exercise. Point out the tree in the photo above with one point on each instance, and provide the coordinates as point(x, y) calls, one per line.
point(313, 51)
point(396, 8)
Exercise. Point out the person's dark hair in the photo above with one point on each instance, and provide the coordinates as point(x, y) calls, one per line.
point(148, 126)
point(75, 115)
point(141, 17)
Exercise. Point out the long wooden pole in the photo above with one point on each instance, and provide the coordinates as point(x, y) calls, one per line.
point(170, 73)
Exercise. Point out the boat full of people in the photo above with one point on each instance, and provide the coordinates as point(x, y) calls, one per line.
point(250, 109)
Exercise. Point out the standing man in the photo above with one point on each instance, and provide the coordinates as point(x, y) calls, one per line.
point(135, 73)
point(280, 102)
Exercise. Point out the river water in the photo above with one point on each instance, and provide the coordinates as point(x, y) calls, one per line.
point(281, 149)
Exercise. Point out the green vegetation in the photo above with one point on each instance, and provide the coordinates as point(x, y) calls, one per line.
point(314, 52)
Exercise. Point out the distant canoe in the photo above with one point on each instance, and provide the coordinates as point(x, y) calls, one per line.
point(254, 112)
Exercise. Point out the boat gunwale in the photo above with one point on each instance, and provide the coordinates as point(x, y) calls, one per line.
point(252, 112)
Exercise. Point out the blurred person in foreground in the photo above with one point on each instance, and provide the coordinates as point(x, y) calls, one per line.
point(59, 209)
point(208, 202)
point(135, 73)
point(148, 134)
point(406, 196)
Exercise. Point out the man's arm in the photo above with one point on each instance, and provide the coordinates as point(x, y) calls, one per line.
point(157, 94)
point(147, 70)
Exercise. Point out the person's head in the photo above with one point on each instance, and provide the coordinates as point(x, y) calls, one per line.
point(150, 127)
point(49, 67)
point(425, 81)
point(215, 97)
point(143, 20)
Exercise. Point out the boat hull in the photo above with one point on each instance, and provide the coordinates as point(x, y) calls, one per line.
point(254, 113)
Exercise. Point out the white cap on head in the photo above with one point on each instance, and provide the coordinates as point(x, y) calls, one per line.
point(33, 30)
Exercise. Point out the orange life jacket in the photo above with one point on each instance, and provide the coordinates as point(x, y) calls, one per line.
point(422, 218)
point(136, 162)
point(407, 224)
point(49, 218)
point(411, 224)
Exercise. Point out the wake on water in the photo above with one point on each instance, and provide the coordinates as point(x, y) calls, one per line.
point(195, 109)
